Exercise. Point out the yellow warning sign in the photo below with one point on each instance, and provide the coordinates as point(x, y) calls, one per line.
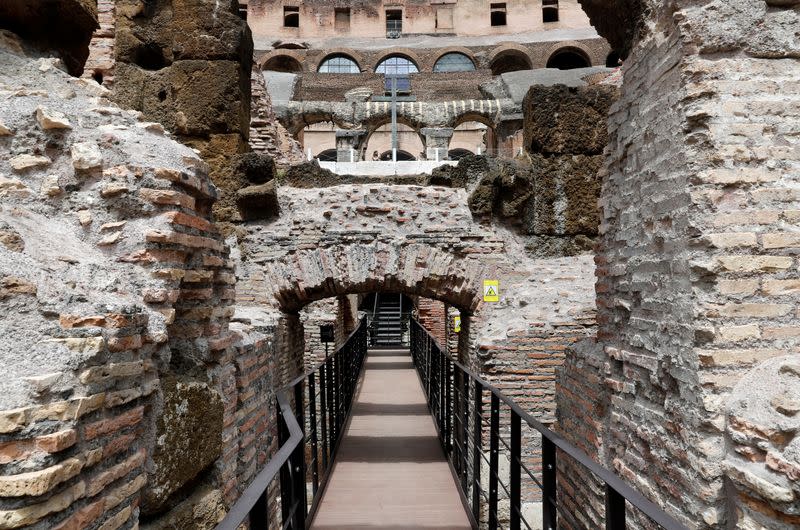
point(456, 323)
point(491, 291)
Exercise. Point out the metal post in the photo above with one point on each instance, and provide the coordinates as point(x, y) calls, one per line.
point(476, 450)
point(494, 460)
point(394, 117)
point(259, 515)
point(549, 506)
point(464, 428)
point(331, 405)
point(615, 509)
point(312, 418)
point(299, 465)
point(515, 471)
point(323, 408)
point(448, 411)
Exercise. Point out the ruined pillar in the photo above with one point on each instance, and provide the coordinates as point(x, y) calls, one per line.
point(437, 140)
point(347, 144)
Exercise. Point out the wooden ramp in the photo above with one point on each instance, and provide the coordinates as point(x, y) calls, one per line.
point(391, 472)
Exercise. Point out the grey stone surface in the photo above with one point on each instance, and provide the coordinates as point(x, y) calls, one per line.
point(60, 257)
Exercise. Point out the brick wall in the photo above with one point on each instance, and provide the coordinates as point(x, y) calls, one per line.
point(100, 64)
point(695, 269)
point(450, 86)
point(432, 314)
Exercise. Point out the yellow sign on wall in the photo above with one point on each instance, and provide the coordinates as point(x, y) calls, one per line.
point(491, 291)
point(456, 323)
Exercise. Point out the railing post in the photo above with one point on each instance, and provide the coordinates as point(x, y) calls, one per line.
point(464, 428)
point(259, 517)
point(323, 409)
point(515, 470)
point(312, 419)
point(299, 465)
point(549, 506)
point(337, 396)
point(494, 459)
point(331, 406)
point(476, 450)
point(286, 479)
point(615, 509)
point(448, 413)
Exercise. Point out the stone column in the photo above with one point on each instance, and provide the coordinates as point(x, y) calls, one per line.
point(437, 138)
point(347, 144)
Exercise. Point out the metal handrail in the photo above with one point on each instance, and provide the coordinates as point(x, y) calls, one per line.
point(337, 378)
point(254, 493)
point(443, 378)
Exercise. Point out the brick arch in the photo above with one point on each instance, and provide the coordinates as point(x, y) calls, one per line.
point(575, 47)
point(510, 49)
point(376, 237)
point(408, 53)
point(374, 125)
point(355, 55)
point(415, 269)
point(280, 53)
point(313, 116)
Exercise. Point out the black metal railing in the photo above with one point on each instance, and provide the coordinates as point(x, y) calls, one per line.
point(311, 414)
point(469, 413)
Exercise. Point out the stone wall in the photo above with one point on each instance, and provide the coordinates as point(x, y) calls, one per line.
point(565, 134)
point(100, 63)
point(267, 135)
point(120, 285)
point(696, 266)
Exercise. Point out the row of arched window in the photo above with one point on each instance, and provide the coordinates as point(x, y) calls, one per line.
point(505, 61)
point(396, 64)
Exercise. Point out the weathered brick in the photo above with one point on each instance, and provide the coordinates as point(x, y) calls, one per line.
point(167, 197)
point(733, 239)
point(753, 263)
point(103, 427)
point(110, 371)
point(734, 357)
point(103, 479)
point(36, 483)
point(738, 333)
point(780, 240)
point(29, 515)
point(755, 310)
point(84, 517)
point(781, 287)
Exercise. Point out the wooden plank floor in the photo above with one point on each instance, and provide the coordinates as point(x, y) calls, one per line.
point(391, 472)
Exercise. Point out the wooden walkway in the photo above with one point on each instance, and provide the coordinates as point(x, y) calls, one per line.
point(391, 472)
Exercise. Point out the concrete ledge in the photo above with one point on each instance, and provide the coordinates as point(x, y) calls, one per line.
point(379, 169)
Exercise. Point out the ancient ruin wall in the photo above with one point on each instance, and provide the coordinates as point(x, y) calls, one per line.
point(696, 267)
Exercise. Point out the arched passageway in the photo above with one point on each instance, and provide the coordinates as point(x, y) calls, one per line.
point(510, 60)
point(568, 59)
point(409, 143)
point(283, 63)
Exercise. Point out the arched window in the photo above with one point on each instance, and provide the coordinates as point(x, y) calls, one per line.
point(396, 64)
point(454, 62)
point(339, 64)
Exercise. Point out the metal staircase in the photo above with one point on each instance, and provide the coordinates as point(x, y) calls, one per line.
point(388, 324)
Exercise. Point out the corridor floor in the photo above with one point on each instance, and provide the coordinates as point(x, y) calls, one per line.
point(391, 472)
